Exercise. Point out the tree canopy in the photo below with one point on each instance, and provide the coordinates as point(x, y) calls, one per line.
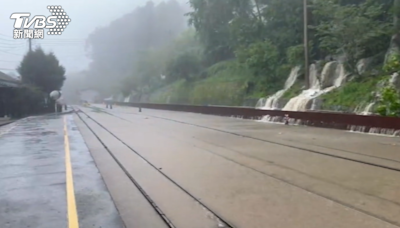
point(120, 49)
point(42, 71)
point(264, 37)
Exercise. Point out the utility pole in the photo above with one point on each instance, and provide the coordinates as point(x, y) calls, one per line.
point(306, 62)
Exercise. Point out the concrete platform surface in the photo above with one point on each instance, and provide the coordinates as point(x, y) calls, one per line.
point(48, 178)
point(198, 170)
point(5, 121)
point(251, 174)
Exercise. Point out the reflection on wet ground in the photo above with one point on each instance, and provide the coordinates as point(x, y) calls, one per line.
point(33, 176)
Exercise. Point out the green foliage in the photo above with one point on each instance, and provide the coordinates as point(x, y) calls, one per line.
point(263, 59)
point(295, 55)
point(42, 70)
point(353, 93)
point(213, 93)
point(392, 65)
point(226, 85)
point(295, 90)
point(257, 41)
point(177, 92)
point(168, 61)
point(186, 65)
point(389, 103)
point(260, 56)
point(27, 100)
point(212, 19)
point(396, 13)
point(137, 40)
point(283, 23)
point(355, 30)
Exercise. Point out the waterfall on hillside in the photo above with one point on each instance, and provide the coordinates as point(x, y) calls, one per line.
point(340, 74)
point(261, 103)
point(297, 103)
point(272, 102)
point(394, 79)
point(332, 76)
point(367, 109)
point(313, 77)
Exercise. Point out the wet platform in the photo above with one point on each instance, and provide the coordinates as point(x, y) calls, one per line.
point(5, 121)
point(90, 169)
point(253, 174)
point(48, 178)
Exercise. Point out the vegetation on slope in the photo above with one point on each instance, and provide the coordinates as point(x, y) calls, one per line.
point(358, 92)
point(234, 50)
point(227, 86)
point(295, 90)
point(363, 90)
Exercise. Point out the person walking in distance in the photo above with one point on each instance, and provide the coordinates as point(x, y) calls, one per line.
point(109, 102)
point(140, 104)
point(286, 119)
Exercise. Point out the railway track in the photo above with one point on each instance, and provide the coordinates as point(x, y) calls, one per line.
point(283, 144)
point(222, 223)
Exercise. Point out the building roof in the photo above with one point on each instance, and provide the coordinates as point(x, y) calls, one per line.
point(7, 81)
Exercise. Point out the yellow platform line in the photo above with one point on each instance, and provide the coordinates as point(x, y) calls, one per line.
point(71, 203)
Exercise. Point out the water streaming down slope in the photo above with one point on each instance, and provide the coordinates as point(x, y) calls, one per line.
point(261, 103)
point(332, 76)
point(272, 102)
point(395, 80)
point(303, 99)
point(367, 109)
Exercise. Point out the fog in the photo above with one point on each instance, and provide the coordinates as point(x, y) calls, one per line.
point(103, 41)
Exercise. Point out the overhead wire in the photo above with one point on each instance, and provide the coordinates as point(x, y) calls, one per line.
point(9, 44)
point(5, 48)
point(7, 69)
point(10, 53)
point(11, 47)
point(8, 61)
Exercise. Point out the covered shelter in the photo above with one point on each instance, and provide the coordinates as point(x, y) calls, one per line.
point(7, 84)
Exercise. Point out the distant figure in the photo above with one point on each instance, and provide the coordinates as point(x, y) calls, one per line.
point(109, 102)
point(62, 103)
point(140, 104)
point(286, 119)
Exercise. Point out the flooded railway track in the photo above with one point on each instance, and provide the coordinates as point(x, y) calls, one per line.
point(222, 223)
point(301, 149)
point(272, 176)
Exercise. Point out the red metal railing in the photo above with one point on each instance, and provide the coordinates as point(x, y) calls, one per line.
point(318, 119)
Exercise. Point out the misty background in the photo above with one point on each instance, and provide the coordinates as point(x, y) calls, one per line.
point(223, 52)
point(102, 40)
